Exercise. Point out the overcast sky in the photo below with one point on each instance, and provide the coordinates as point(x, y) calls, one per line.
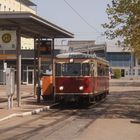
point(87, 27)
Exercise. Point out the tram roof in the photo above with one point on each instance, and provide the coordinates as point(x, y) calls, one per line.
point(80, 56)
point(31, 25)
point(75, 55)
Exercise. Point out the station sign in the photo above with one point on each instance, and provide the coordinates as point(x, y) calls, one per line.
point(8, 40)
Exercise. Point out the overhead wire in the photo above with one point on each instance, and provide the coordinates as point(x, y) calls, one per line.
point(82, 17)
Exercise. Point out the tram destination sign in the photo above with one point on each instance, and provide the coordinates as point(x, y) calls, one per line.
point(7, 40)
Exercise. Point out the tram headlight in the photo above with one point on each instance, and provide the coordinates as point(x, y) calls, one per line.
point(81, 88)
point(61, 88)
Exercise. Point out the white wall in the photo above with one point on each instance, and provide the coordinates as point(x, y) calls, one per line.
point(13, 5)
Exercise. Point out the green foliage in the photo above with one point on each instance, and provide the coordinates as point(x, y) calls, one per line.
point(124, 22)
point(117, 73)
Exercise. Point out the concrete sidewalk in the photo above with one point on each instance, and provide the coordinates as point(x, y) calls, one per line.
point(28, 106)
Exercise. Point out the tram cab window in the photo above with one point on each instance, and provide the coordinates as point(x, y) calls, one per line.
point(71, 69)
point(85, 69)
point(58, 69)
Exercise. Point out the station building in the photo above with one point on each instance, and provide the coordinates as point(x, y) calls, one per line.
point(27, 45)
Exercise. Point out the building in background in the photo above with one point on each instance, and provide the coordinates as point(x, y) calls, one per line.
point(88, 46)
point(119, 58)
point(17, 5)
point(124, 60)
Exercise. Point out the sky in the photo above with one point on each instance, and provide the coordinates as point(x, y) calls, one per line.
point(64, 14)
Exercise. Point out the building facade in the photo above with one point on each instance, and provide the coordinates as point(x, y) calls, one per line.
point(17, 5)
point(20, 6)
point(125, 60)
point(26, 44)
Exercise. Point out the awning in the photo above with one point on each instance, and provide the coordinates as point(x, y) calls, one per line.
point(31, 25)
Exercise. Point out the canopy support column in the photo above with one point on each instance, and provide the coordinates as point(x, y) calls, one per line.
point(18, 67)
point(35, 61)
point(53, 68)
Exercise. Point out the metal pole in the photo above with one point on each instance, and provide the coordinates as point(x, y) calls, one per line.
point(39, 62)
point(18, 65)
point(53, 68)
point(39, 68)
point(35, 78)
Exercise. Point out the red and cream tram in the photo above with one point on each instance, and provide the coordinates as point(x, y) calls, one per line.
point(80, 77)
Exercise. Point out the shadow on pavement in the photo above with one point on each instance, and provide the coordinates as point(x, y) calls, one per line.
point(118, 105)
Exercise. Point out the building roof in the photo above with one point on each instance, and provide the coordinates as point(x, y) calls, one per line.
point(27, 2)
point(79, 42)
point(117, 49)
point(31, 25)
point(87, 47)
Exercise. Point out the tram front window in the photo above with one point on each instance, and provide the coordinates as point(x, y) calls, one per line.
point(71, 69)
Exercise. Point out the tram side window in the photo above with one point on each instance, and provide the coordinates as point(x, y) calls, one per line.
point(103, 71)
point(58, 69)
point(107, 71)
point(85, 69)
point(100, 71)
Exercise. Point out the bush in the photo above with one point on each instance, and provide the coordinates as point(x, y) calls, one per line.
point(117, 73)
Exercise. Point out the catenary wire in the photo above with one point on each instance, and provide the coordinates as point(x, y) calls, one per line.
point(82, 17)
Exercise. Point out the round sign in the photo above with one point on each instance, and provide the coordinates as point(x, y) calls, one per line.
point(6, 38)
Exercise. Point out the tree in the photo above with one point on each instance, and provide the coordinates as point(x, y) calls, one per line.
point(124, 22)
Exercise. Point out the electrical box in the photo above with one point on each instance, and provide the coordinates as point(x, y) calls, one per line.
point(10, 81)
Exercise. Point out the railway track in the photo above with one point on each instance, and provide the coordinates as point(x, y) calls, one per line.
point(61, 115)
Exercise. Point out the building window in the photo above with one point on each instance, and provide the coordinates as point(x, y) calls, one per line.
point(126, 73)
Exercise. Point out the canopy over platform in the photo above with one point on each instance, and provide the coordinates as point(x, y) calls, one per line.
point(31, 25)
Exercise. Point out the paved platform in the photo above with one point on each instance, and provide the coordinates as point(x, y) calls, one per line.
point(28, 106)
